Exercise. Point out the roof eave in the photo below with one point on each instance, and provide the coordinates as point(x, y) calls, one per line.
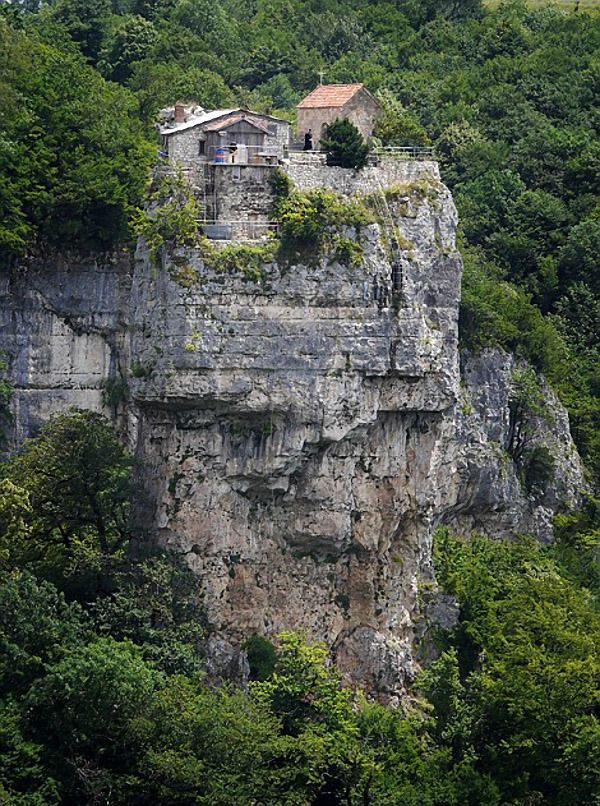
point(238, 111)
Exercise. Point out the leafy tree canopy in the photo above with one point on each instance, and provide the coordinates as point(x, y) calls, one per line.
point(73, 155)
point(76, 486)
point(345, 145)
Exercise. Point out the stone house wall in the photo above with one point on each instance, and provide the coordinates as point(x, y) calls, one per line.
point(182, 146)
point(363, 112)
point(282, 136)
point(360, 109)
point(243, 192)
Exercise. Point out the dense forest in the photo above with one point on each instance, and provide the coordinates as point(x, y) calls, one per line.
point(103, 697)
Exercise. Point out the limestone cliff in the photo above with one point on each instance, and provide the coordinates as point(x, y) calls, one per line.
point(302, 429)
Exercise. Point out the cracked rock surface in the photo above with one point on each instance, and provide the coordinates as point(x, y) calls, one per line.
point(301, 434)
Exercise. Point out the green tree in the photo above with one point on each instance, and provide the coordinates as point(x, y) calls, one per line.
point(24, 779)
point(454, 728)
point(397, 126)
point(580, 256)
point(170, 217)
point(6, 394)
point(86, 21)
point(527, 642)
point(15, 520)
point(317, 713)
point(155, 604)
point(345, 145)
point(129, 42)
point(214, 746)
point(78, 478)
point(37, 625)
point(93, 708)
point(74, 159)
point(526, 403)
point(576, 546)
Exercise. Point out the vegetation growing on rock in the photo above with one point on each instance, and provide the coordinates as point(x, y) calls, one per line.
point(320, 221)
point(248, 259)
point(170, 216)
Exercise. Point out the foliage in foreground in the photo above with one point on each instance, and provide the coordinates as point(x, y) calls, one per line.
point(102, 693)
point(520, 685)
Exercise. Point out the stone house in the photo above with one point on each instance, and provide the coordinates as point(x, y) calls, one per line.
point(228, 156)
point(194, 135)
point(328, 102)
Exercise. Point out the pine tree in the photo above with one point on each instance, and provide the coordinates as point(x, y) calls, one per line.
point(345, 145)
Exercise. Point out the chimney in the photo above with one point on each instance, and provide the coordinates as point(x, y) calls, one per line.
point(179, 113)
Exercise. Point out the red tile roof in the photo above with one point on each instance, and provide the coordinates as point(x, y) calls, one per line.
point(330, 95)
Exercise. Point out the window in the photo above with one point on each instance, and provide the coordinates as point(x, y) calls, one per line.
point(272, 130)
point(201, 147)
point(236, 173)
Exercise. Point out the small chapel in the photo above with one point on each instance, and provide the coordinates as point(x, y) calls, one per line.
point(328, 102)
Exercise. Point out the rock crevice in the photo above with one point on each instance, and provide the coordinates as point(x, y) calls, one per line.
point(300, 440)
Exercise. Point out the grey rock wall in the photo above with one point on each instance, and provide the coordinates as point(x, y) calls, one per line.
point(488, 495)
point(63, 327)
point(291, 429)
point(301, 434)
point(309, 170)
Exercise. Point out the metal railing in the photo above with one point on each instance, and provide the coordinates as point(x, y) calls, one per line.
point(401, 153)
point(238, 230)
point(394, 153)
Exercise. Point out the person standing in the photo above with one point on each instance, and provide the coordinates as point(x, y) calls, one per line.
point(308, 141)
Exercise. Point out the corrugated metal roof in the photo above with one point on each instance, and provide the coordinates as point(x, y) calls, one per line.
point(330, 95)
point(223, 124)
point(206, 117)
point(196, 120)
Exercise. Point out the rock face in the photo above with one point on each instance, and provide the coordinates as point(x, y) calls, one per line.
point(302, 430)
point(63, 328)
point(488, 495)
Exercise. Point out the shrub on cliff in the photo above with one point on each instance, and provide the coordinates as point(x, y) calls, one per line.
point(282, 187)
point(6, 393)
point(345, 145)
point(315, 220)
point(170, 216)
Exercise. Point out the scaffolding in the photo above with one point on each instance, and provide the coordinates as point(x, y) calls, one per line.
point(392, 238)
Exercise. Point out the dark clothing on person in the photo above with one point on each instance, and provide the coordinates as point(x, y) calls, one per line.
point(308, 141)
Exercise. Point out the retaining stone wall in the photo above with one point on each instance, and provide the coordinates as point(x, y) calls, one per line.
point(309, 170)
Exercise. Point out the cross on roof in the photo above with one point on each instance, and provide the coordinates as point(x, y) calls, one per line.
point(321, 74)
